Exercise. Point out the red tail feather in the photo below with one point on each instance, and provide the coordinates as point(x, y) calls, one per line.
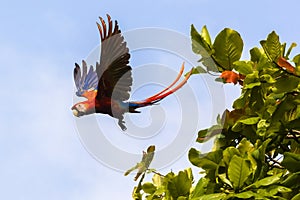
point(167, 91)
point(174, 82)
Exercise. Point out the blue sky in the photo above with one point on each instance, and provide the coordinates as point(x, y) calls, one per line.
point(42, 156)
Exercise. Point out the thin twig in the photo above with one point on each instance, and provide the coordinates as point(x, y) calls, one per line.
point(158, 173)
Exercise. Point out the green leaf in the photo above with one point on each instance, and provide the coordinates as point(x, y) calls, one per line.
point(252, 80)
point(207, 161)
point(294, 124)
point(228, 47)
point(219, 80)
point(286, 110)
point(200, 188)
point(245, 195)
point(209, 63)
point(250, 120)
point(296, 60)
point(291, 161)
point(292, 180)
point(206, 134)
point(136, 195)
point(275, 189)
point(272, 46)
point(256, 102)
point(245, 146)
point(252, 85)
point(228, 153)
point(189, 174)
point(157, 180)
point(260, 153)
point(265, 181)
point(223, 178)
point(197, 70)
point(267, 78)
point(243, 67)
point(238, 171)
point(255, 54)
point(205, 35)
point(148, 188)
point(199, 43)
point(144, 164)
point(265, 66)
point(216, 196)
point(296, 197)
point(241, 101)
point(272, 191)
point(297, 70)
point(180, 185)
point(286, 84)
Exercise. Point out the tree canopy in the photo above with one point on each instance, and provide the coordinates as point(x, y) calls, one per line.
point(256, 152)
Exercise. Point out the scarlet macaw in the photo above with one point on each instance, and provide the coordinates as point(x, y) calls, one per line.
point(107, 87)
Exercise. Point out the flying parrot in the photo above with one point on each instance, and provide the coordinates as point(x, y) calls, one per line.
point(107, 88)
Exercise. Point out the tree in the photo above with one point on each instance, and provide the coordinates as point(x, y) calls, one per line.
point(256, 153)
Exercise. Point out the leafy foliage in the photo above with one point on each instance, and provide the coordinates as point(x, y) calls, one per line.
point(143, 166)
point(256, 154)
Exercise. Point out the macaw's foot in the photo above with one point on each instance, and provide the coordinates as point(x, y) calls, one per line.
point(122, 125)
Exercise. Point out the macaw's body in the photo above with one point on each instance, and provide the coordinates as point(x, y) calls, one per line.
point(107, 87)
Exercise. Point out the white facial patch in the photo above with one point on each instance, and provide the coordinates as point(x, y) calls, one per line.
point(81, 108)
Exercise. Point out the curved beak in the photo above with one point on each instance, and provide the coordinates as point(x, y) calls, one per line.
point(75, 112)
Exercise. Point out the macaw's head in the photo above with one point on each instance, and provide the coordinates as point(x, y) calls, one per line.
point(79, 109)
point(82, 108)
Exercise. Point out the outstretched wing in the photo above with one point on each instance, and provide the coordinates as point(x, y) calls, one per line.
point(85, 81)
point(113, 71)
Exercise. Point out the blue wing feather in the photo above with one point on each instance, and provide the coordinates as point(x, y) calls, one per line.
point(84, 72)
point(91, 79)
point(84, 80)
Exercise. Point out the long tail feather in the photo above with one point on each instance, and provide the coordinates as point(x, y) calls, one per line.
point(176, 88)
point(172, 84)
point(162, 94)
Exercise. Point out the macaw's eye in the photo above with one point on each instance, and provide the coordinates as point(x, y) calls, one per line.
point(80, 107)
